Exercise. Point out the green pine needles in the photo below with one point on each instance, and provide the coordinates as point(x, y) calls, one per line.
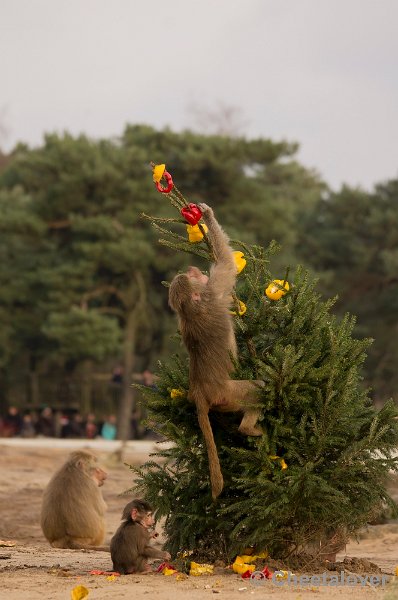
point(320, 469)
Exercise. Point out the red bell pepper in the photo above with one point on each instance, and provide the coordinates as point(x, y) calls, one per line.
point(191, 213)
point(170, 184)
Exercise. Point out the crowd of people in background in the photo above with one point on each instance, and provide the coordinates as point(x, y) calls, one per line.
point(64, 424)
point(71, 424)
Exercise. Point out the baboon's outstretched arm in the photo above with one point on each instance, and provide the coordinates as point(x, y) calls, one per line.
point(223, 271)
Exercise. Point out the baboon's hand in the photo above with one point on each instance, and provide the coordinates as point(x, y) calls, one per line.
point(207, 212)
point(167, 556)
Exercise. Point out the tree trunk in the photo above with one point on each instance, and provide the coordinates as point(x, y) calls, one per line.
point(86, 385)
point(135, 305)
point(126, 406)
point(33, 383)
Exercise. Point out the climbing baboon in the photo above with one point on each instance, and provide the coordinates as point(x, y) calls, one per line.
point(203, 307)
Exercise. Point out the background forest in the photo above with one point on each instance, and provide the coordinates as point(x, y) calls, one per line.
point(81, 270)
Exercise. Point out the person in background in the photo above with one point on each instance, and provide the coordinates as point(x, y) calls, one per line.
point(108, 430)
point(28, 429)
point(46, 423)
point(74, 428)
point(90, 427)
point(117, 375)
point(12, 422)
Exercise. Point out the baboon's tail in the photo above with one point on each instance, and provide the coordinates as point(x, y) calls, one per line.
point(216, 478)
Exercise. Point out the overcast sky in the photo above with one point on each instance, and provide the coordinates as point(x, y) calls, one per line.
point(323, 73)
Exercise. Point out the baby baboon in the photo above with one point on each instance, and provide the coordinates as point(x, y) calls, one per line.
point(130, 548)
point(72, 514)
point(202, 304)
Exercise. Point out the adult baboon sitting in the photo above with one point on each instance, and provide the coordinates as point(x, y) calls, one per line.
point(73, 509)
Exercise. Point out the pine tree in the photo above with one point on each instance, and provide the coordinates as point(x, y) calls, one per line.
point(320, 469)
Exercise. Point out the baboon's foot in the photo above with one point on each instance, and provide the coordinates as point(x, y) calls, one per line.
point(247, 430)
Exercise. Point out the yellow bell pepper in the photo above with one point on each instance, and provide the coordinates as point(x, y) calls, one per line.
point(240, 567)
point(79, 592)
point(176, 393)
point(198, 569)
point(158, 171)
point(195, 234)
point(242, 309)
point(281, 461)
point(239, 261)
point(274, 292)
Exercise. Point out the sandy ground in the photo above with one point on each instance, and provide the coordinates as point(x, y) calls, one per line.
point(33, 570)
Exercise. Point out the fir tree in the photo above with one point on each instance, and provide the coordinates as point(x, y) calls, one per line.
point(320, 469)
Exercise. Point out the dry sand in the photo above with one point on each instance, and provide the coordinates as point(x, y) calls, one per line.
point(33, 570)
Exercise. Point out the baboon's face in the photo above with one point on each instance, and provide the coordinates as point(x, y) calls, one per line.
point(99, 476)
